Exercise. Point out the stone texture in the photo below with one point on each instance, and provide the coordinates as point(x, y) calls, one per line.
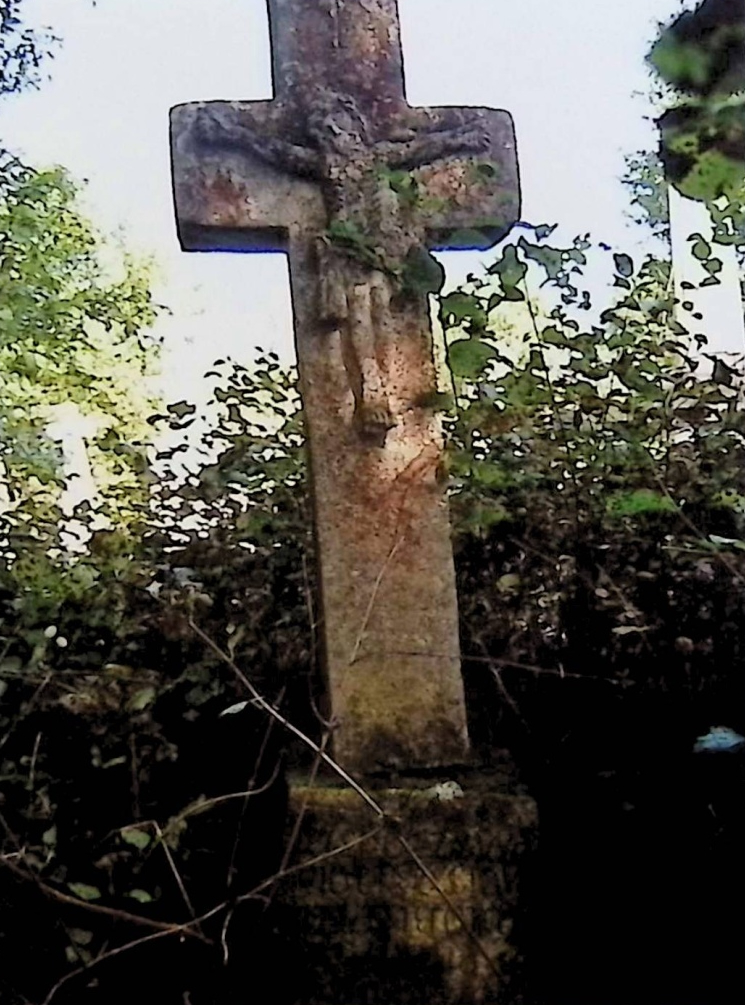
point(339, 151)
point(367, 926)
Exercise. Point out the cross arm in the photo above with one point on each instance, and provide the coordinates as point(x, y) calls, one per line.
point(229, 124)
point(464, 161)
point(451, 131)
point(242, 178)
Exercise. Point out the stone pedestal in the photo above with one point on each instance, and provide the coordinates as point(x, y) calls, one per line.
point(369, 928)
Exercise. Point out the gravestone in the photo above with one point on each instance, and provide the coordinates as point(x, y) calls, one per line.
point(357, 186)
point(705, 305)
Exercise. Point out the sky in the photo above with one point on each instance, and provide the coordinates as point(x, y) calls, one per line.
point(571, 72)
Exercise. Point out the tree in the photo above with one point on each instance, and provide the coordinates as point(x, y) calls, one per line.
point(72, 330)
point(21, 49)
point(700, 56)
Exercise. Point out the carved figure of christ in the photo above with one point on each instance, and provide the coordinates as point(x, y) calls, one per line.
point(376, 232)
point(357, 186)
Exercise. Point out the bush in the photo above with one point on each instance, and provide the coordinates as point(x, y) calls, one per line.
point(598, 509)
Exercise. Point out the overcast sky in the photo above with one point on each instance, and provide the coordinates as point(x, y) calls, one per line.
point(566, 69)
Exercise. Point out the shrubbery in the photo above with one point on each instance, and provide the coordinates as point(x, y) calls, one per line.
point(598, 507)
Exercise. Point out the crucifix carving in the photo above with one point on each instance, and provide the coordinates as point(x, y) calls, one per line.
point(358, 187)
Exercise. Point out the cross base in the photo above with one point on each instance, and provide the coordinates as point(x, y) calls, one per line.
point(372, 927)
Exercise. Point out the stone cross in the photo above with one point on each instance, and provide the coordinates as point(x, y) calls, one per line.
point(358, 187)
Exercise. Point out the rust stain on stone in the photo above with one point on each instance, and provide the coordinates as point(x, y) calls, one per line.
point(225, 200)
point(451, 182)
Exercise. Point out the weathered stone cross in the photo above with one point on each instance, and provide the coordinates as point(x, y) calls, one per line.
point(356, 185)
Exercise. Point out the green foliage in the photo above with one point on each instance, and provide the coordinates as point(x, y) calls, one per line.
point(252, 476)
point(469, 357)
point(702, 52)
point(21, 49)
point(646, 183)
point(404, 184)
point(595, 422)
point(510, 270)
point(421, 273)
point(701, 57)
point(347, 237)
point(131, 697)
point(596, 484)
point(703, 147)
point(73, 331)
